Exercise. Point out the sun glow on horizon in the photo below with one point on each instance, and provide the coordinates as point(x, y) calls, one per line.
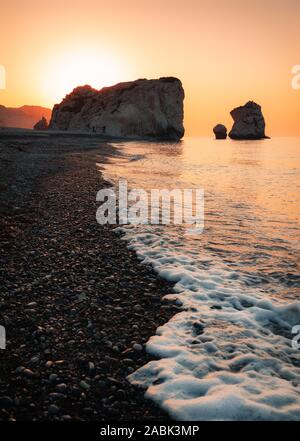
point(212, 46)
point(78, 68)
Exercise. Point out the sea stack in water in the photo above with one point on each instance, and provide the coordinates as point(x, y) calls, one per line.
point(41, 124)
point(249, 122)
point(137, 109)
point(220, 131)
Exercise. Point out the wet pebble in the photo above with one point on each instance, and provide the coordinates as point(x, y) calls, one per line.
point(53, 409)
point(84, 385)
point(62, 388)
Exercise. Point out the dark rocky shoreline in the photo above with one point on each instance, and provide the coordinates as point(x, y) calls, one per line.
point(77, 305)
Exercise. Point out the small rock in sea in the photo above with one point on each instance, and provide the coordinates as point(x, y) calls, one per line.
point(137, 347)
point(220, 131)
point(6, 402)
point(249, 122)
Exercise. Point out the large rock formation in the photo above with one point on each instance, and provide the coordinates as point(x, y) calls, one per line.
point(249, 122)
point(41, 124)
point(142, 108)
point(220, 131)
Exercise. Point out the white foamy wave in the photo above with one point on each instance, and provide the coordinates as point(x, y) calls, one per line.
point(228, 354)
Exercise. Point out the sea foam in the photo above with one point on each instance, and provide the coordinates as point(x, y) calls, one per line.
point(228, 354)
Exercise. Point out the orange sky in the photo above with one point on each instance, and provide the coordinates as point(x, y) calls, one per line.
point(224, 51)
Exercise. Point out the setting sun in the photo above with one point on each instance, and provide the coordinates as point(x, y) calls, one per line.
point(61, 45)
point(75, 68)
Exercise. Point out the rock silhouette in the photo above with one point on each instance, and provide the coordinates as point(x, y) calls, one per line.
point(220, 131)
point(41, 124)
point(22, 117)
point(141, 108)
point(249, 122)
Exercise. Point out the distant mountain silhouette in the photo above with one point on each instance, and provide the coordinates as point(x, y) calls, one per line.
point(24, 117)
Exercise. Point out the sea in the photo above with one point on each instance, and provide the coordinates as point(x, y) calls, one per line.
point(232, 350)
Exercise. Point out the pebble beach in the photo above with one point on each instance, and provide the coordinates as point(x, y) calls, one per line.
point(76, 304)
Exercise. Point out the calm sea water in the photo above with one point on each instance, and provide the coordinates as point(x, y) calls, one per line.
point(229, 354)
